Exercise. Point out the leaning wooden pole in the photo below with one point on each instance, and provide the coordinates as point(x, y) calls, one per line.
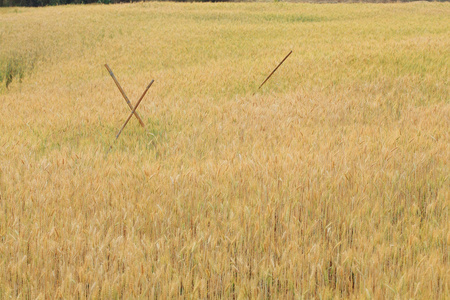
point(134, 109)
point(123, 94)
point(275, 69)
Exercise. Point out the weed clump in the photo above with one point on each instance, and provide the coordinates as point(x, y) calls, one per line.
point(15, 66)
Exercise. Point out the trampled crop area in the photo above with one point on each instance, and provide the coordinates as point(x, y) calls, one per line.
point(330, 181)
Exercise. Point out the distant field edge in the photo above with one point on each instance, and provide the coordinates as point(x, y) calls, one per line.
point(39, 3)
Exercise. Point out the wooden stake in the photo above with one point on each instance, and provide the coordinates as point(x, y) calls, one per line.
point(123, 94)
point(275, 70)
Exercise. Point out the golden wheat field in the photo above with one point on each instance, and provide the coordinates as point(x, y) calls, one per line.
point(331, 181)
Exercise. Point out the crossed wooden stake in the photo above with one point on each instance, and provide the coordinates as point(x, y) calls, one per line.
point(133, 109)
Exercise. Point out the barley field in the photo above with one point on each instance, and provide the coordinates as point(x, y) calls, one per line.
point(331, 181)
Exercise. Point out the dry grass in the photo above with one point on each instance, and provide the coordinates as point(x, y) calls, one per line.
point(331, 182)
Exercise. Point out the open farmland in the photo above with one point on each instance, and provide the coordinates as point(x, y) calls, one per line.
point(330, 181)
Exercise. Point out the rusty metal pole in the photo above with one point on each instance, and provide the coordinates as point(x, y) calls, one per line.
point(275, 69)
point(134, 109)
point(123, 94)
